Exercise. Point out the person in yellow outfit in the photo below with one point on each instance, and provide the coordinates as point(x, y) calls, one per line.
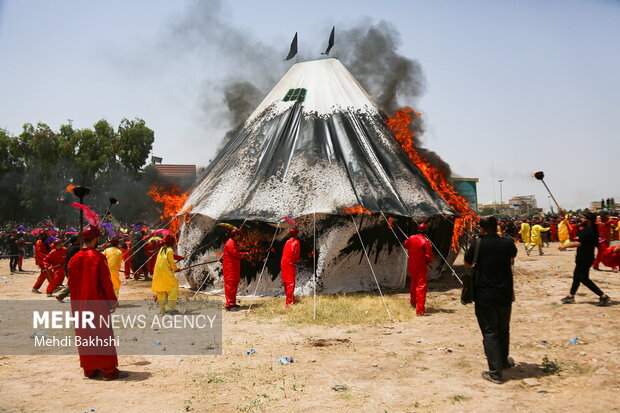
point(536, 238)
point(165, 283)
point(564, 231)
point(525, 232)
point(114, 256)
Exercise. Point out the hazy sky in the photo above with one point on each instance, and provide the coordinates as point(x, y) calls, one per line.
point(511, 86)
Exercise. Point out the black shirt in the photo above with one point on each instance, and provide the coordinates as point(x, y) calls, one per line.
point(588, 238)
point(493, 285)
point(71, 251)
point(137, 249)
point(13, 247)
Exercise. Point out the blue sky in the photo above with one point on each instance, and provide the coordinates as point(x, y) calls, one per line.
point(512, 86)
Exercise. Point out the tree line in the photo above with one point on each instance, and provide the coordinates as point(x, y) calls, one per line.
point(38, 165)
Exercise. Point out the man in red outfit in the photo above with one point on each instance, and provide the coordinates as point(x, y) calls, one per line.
point(420, 255)
point(127, 258)
point(554, 230)
point(54, 262)
point(231, 266)
point(92, 290)
point(40, 252)
point(290, 255)
point(604, 238)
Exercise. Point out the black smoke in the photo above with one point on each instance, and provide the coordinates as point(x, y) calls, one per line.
point(370, 52)
point(250, 67)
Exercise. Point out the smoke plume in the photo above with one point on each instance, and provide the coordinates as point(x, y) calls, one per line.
point(370, 53)
point(252, 68)
point(249, 66)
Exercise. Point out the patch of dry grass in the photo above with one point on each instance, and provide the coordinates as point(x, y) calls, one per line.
point(337, 309)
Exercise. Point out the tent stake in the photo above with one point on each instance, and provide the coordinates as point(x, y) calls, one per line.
point(371, 269)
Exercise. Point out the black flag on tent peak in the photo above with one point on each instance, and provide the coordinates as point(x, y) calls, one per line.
point(293, 51)
point(331, 41)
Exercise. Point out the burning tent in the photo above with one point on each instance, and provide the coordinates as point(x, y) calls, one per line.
point(316, 149)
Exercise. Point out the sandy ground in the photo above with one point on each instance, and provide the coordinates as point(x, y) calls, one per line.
point(430, 364)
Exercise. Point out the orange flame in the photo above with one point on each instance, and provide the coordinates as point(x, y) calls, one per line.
point(70, 188)
point(256, 244)
point(172, 199)
point(390, 222)
point(399, 124)
point(356, 210)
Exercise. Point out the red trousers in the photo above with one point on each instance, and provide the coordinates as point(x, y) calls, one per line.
point(127, 268)
point(45, 275)
point(107, 372)
point(601, 250)
point(150, 265)
point(289, 290)
point(230, 289)
point(57, 279)
point(417, 291)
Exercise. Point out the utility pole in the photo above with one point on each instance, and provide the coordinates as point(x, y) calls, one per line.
point(501, 195)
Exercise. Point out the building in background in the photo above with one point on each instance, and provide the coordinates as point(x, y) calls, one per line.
point(520, 205)
point(466, 187)
point(609, 204)
point(182, 175)
point(524, 204)
point(496, 208)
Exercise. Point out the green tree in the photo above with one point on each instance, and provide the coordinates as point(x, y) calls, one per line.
point(134, 144)
point(38, 164)
point(487, 211)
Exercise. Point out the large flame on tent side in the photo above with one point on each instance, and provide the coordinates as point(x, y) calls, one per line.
point(399, 124)
point(172, 200)
point(356, 210)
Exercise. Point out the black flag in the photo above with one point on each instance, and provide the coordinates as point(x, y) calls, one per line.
point(331, 41)
point(293, 51)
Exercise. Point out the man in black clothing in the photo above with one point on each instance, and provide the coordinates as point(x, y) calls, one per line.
point(72, 249)
point(586, 243)
point(493, 296)
point(13, 250)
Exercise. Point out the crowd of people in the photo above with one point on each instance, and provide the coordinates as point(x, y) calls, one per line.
point(94, 262)
point(492, 259)
point(538, 232)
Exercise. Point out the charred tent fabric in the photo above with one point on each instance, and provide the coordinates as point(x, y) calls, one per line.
point(315, 145)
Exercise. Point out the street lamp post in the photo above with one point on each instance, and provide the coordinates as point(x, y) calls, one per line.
point(501, 197)
point(550, 205)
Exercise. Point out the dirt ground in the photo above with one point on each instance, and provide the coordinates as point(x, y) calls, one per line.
point(425, 364)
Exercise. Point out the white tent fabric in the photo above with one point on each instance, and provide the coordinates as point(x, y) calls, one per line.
point(317, 155)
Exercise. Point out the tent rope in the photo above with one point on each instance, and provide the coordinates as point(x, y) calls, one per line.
point(314, 262)
point(403, 280)
point(203, 281)
point(371, 268)
point(438, 252)
point(264, 265)
point(200, 248)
